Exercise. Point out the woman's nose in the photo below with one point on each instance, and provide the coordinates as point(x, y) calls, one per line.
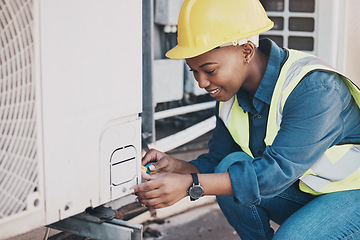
point(203, 82)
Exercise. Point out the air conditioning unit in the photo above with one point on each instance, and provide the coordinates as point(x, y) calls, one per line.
point(70, 104)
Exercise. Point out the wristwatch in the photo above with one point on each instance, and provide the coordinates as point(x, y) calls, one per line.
point(195, 191)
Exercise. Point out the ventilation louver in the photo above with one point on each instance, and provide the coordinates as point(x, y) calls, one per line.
point(18, 138)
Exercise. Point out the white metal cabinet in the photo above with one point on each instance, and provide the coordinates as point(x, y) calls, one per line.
point(71, 94)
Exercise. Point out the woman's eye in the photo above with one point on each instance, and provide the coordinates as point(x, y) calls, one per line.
point(210, 72)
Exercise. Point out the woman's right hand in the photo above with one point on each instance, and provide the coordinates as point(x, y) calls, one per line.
point(161, 161)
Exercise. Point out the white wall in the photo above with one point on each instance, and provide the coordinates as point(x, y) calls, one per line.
point(352, 47)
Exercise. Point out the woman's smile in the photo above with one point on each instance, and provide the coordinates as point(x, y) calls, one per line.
point(215, 92)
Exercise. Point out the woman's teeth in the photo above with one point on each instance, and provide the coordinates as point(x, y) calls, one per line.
point(215, 91)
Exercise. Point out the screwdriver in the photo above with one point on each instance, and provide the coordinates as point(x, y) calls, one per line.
point(147, 170)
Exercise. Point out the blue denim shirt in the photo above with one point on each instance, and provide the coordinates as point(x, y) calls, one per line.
point(318, 114)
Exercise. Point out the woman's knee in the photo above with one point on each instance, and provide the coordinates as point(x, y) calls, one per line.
point(330, 216)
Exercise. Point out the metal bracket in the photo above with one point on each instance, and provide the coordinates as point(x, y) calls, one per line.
point(99, 223)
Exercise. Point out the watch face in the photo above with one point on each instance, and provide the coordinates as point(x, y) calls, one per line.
point(196, 191)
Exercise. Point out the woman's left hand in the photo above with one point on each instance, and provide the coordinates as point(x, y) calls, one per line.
point(162, 189)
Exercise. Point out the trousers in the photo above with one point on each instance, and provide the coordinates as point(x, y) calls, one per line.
point(301, 216)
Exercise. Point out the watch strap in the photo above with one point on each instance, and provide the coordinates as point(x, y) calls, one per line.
point(195, 178)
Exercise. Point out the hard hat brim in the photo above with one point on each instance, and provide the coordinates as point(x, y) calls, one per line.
point(180, 52)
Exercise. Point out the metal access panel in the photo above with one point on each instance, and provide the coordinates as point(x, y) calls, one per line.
point(295, 23)
point(70, 96)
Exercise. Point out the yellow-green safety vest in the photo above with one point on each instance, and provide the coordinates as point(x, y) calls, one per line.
point(338, 169)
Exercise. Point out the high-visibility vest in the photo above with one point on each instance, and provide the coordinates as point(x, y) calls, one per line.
point(338, 169)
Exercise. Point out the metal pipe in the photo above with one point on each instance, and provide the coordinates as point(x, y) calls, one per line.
point(148, 122)
point(47, 233)
point(175, 140)
point(183, 110)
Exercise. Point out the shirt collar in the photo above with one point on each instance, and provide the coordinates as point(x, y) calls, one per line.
point(267, 84)
point(276, 56)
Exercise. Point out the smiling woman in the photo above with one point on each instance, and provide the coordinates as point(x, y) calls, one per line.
point(274, 154)
point(222, 71)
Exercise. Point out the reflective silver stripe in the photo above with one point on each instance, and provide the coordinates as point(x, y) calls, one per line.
point(225, 110)
point(341, 169)
point(316, 183)
point(279, 112)
point(291, 74)
point(327, 172)
point(298, 65)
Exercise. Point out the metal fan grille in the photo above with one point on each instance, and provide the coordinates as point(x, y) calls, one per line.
point(18, 138)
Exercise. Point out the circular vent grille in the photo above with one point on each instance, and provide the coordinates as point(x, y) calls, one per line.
point(18, 140)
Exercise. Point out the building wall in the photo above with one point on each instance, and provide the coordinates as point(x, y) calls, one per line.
point(352, 54)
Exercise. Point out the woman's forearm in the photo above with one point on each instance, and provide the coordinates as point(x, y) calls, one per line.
point(218, 184)
point(183, 167)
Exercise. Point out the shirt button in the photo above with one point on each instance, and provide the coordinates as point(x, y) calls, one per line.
point(258, 116)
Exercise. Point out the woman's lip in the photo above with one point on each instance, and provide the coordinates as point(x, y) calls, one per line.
point(215, 92)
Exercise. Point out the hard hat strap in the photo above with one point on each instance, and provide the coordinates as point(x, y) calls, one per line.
point(253, 39)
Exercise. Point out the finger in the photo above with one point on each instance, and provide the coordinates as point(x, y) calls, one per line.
point(152, 194)
point(158, 175)
point(152, 156)
point(153, 182)
point(163, 162)
point(139, 188)
point(146, 186)
point(151, 203)
point(145, 176)
point(161, 205)
point(157, 203)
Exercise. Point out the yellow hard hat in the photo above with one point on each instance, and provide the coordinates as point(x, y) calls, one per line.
point(206, 24)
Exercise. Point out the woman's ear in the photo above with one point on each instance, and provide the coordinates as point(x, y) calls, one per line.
point(248, 51)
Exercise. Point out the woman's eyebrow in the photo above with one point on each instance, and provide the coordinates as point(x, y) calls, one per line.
point(208, 63)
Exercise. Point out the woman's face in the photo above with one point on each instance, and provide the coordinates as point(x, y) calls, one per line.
point(221, 71)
